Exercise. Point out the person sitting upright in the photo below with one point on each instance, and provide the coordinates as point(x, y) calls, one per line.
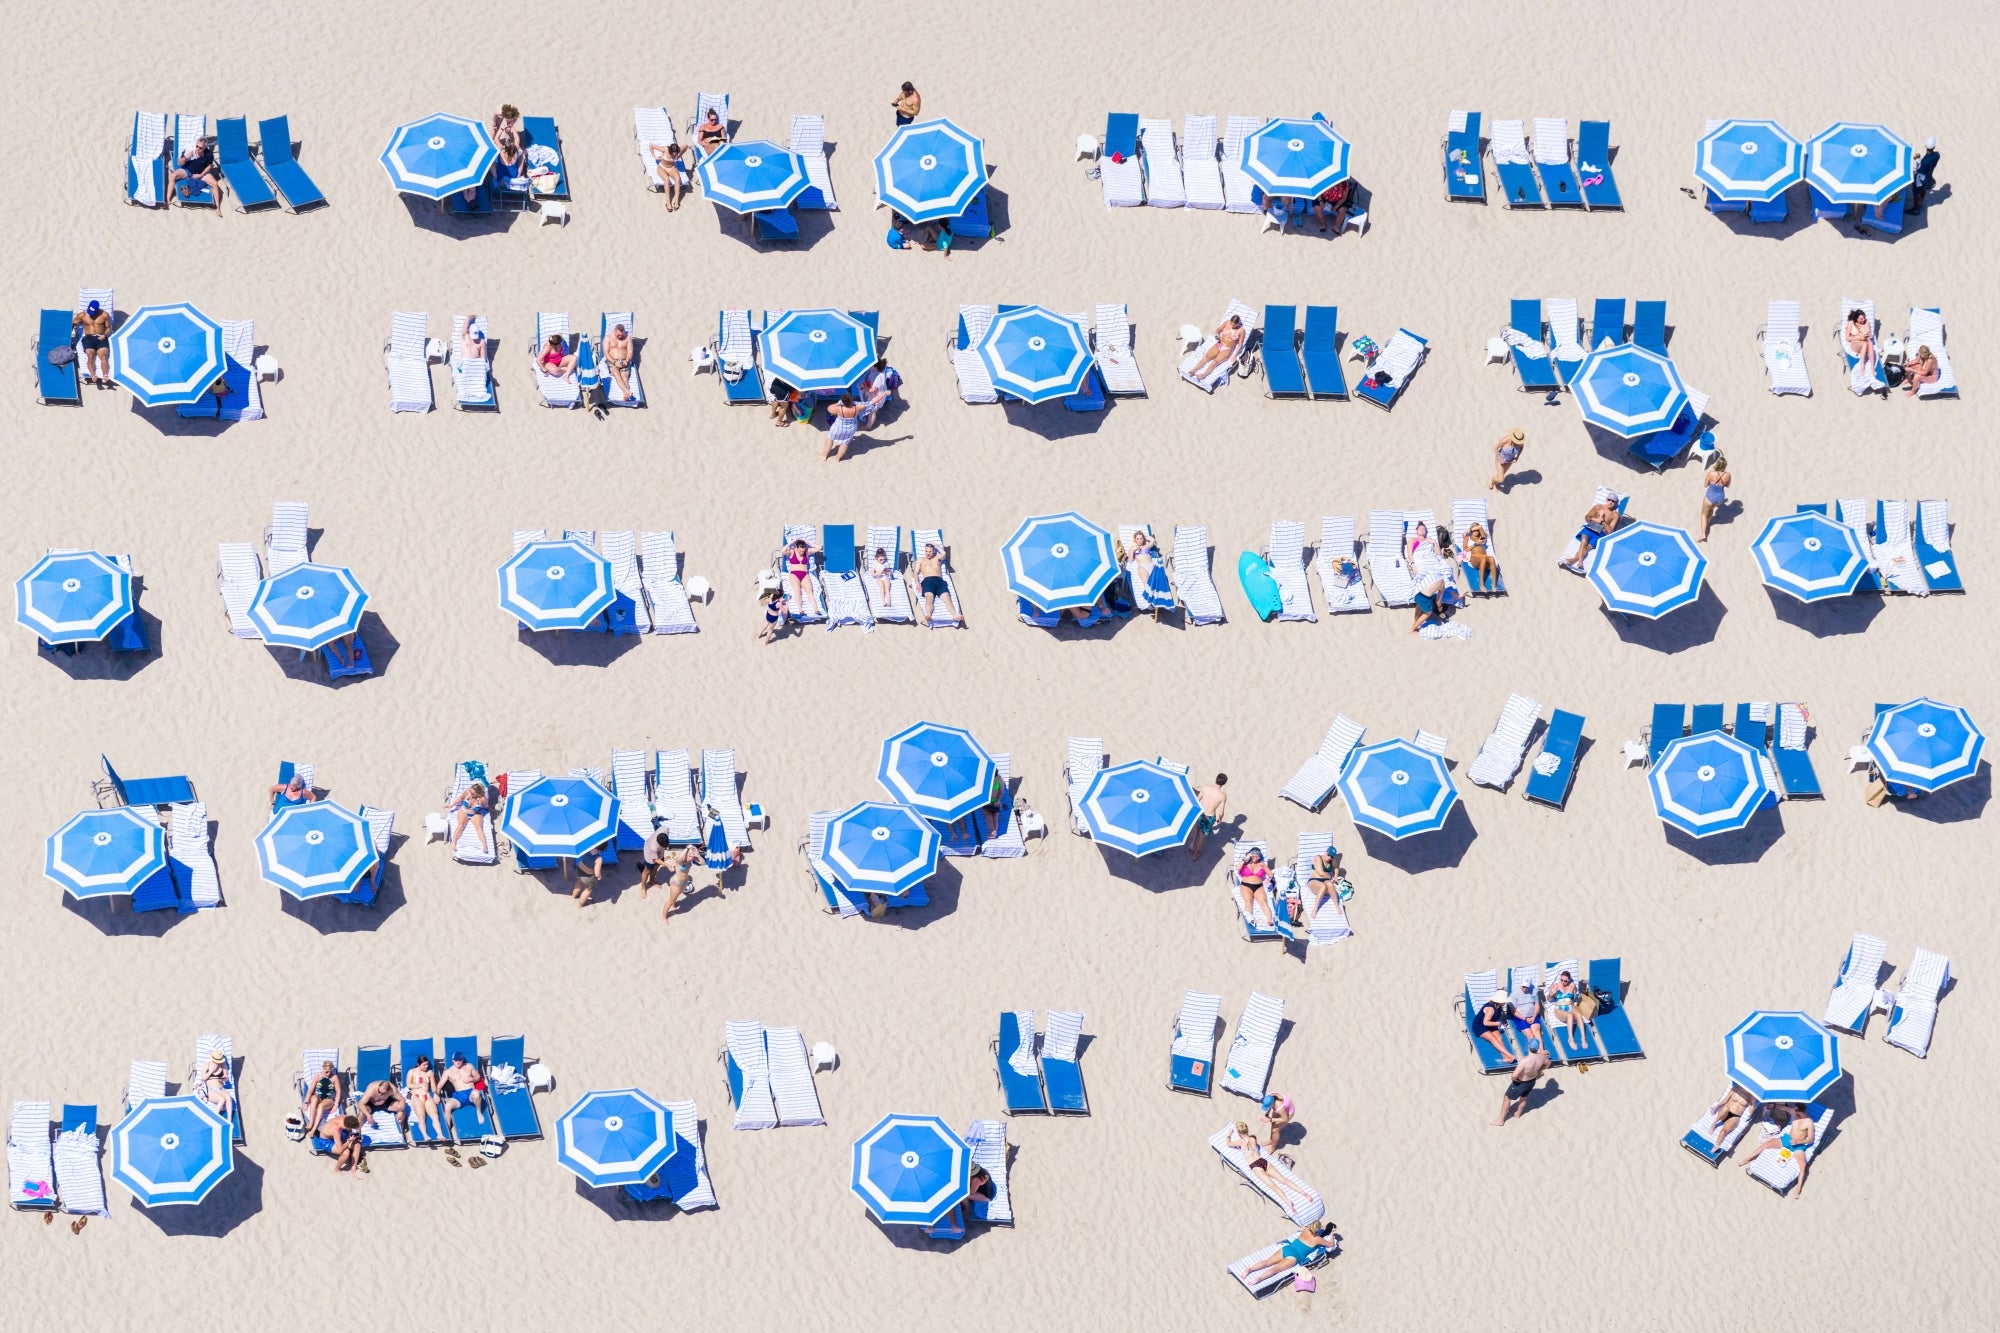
point(554, 362)
point(95, 323)
point(711, 133)
point(293, 791)
point(198, 164)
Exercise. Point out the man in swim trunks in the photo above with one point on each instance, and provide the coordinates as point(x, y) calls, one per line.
point(381, 1095)
point(1525, 1075)
point(95, 323)
point(589, 869)
point(1301, 1250)
point(1214, 806)
point(1528, 1013)
point(931, 582)
point(1229, 336)
point(461, 1082)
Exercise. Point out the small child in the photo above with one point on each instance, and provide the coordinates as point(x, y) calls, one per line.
point(774, 615)
point(880, 572)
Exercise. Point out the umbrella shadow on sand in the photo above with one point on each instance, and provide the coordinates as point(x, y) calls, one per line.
point(1744, 846)
point(588, 648)
point(1442, 850)
point(1689, 627)
point(237, 1199)
point(1827, 619)
point(1053, 421)
point(380, 644)
point(92, 661)
point(1163, 872)
point(114, 916)
point(330, 917)
point(942, 889)
point(431, 216)
point(1957, 803)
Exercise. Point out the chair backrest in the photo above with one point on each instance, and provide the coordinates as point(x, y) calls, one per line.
point(837, 555)
point(1280, 327)
point(232, 139)
point(1649, 325)
point(1593, 142)
point(1321, 332)
point(1607, 320)
point(274, 138)
point(1121, 134)
point(1525, 317)
point(372, 1065)
point(1604, 976)
point(79, 1116)
point(509, 1051)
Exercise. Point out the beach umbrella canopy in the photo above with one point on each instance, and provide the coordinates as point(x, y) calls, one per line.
point(102, 852)
point(1035, 354)
point(816, 349)
point(930, 170)
point(438, 155)
point(616, 1136)
point(1140, 808)
point(555, 585)
point(1749, 160)
point(911, 1169)
point(752, 176)
point(1852, 163)
point(171, 1150)
point(72, 597)
point(1647, 569)
point(938, 771)
point(1397, 788)
point(308, 606)
point(1809, 556)
point(1926, 744)
point(167, 354)
point(316, 850)
point(559, 816)
point(1299, 159)
point(1628, 390)
point(876, 847)
point(1056, 561)
point(1781, 1055)
point(716, 853)
point(1710, 783)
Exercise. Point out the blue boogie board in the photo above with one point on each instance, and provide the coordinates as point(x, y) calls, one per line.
point(1258, 585)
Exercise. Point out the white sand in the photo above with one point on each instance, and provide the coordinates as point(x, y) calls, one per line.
point(1585, 1214)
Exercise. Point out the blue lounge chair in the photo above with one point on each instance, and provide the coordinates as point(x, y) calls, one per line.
point(1649, 325)
point(1123, 180)
point(274, 146)
point(1752, 731)
point(143, 791)
point(480, 205)
point(1717, 204)
point(774, 224)
point(513, 1103)
point(1561, 740)
point(1932, 540)
point(1706, 718)
point(1062, 1075)
point(1090, 398)
point(232, 154)
point(1022, 1092)
point(147, 152)
point(1669, 725)
point(1282, 376)
point(373, 1064)
point(1889, 220)
point(1191, 1064)
point(542, 130)
point(1824, 209)
point(684, 1179)
point(1794, 765)
point(1662, 447)
point(1613, 1026)
point(468, 1123)
point(1607, 320)
point(1768, 210)
point(1464, 168)
point(407, 1053)
point(358, 664)
point(1519, 186)
point(1551, 154)
point(1399, 361)
point(1537, 373)
point(129, 634)
point(1319, 351)
point(54, 383)
point(974, 223)
point(1593, 165)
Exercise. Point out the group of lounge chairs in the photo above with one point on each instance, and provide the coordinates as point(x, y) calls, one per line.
point(506, 1112)
point(1606, 1036)
point(1781, 341)
point(1904, 556)
point(546, 176)
point(1340, 559)
point(1780, 741)
point(997, 832)
point(1496, 765)
point(55, 1164)
point(409, 351)
point(240, 396)
point(1303, 362)
point(1912, 1008)
point(1040, 1076)
point(1886, 217)
point(1114, 371)
point(1139, 162)
point(158, 141)
point(655, 125)
point(1774, 1166)
point(769, 1076)
point(190, 883)
point(239, 570)
point(1285, 889)
point(732, 354)
point(1545, 342)
point(841, 587)
point(1542, 168)
point(648, 595)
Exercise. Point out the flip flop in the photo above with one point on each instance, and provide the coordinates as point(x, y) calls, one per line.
point(478, 1162)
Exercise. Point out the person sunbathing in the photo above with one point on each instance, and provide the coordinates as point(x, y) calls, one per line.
point(94, 322)
point(198, 164)
point(1795, 1138)
point(461, 1084)
point(1479, 554)
point(931, 583)
point(1302, 1250)
point(1599, 519)
point(669, 165)
point(617, 352)
point(798, 572)
point(1858, 336)
point(1258, 1165)
point(292, 792)
point(1735, 1104)
point(1489, 1022)
point(420, 1092)
point(472, 347)
point(344, 649)
point(1229, 336)
point(1564, 996)
point(381, 1095)
point(510, 170)
point(1322, 881)
point(1148, 573)
point(1419, 537)
point(554, 362)
point(322, 1096)
point(471, 807)
point(1918, 371)
point(711, 134)
point(1252, 874)
point(882, 571)
point(217, 1087)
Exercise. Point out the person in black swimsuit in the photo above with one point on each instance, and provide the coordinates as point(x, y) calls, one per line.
point(198, 164)
point(1489, 1022)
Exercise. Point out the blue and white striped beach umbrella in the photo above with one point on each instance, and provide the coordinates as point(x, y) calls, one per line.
point(1711, 783)
point(1852, 163)
point(1140, 808)
point(1396, 787)
point(752, 176)
point(1809, 556)
point(316, 850)
point(816, 349)
point(1926, 744)
point(72, 597)
point(171, 1150)
point(559, 816)
point(1628, 390)
point(1298, 159)
point(167, 354)
point(1749, 160)
point(1057, 561)
point(876, 847)
point(308, 606)
point(616, 1136)
point(555, 585)
point(940, 772)
point(930, 170)
point(911, 1169)
point(1781, 1055)
point(438, 155)
point(1647, 569)
point(1035, 354)
point(104, 852)
point(716, 853)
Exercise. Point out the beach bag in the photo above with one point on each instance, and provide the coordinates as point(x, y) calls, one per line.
point(491, 1145)
point(1602, 1001)
point(892, 380)
point(62, 356)
point(894, 239)
point(1304, 1282)
point(1586, 1006)
point(295, 1127)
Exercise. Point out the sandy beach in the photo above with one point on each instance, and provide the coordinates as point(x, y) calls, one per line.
point(1584, 1212)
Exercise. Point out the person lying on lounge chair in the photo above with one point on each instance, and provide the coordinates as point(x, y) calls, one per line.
point(1599, 519)
point(461, 1082)
point(1858, 337)
point(472, 347)
point(983, 1191)
point(217, 1087)
point(1229, 335)
point(617, 353)
point(1528, 1013)
point(471, 807)
point(510, 170)
point(420, 1090)
point(1322, 883)
point(1251, 877)
point(1735, 1104)
point(1243, 1141)
point(1564, 996)
point(1479, 554)
point(1489, 1021)
point(198, 164)
point(931, 582)
point(294, 792)
point(322, 1096)
point(711, 134)
point(554, 362)
point(671, 170)
point(798, 573)
point(1301, 1250)
point(1794, 1137)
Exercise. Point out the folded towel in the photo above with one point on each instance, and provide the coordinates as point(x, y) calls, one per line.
point(1451, 631)
point(541, 155)
point(1023, 1058)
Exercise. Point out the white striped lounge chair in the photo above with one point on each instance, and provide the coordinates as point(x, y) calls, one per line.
point(895, 607)
point(471, 377)
point(556, 390)
point(1113, 348)
point(1286, 555)
point(476, 845)
point(809, 142)
point(1499, 757)
point(718, 793)
point(1201, 167)
point(237, 574)
point(145, 1080)
point(660, 576)
point(1000, 836)
point(621, 548)
point(791, 1079)
point(1343, 591)
point(145, 164)
point(988, 1141)
point(848, 600)
point(31, 1168)
point(1784, 358)
point(1215, 378)
point(975, 384)
point(1386, 566)
point(407, 356)
point(1191, 1062)
point(631, 323)
point(1853, 996)
point(941, 616)
point(652, 125)
point(833, 898)
point(1927, 330)
point(1163, 164)
point(1399, 360)
point(285, 539)
point(1915, 1011)
point(1565, 335)
point(749, 1073)
point(635, 806)
point(189, 859)
point(1772, 1167)
point(1123, 183)
point(686, 1173)
point(1701, 1138)
point(1896, 549)
point(1329, 924)
point(1246, 1070)
point(1188, 564)
point(673, 796)
point(80, 1172)
point(1320, 773)
point(1239, 195)
point(1086, 758)
point(1298, 1201)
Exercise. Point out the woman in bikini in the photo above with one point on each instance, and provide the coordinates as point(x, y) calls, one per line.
point(1918, 371)
point(217, 1087)
point(1419, 536)
point(798, 571)
point(1229, 336)
point(1479, 555)
point(1859, 337)
point(668, 167)
point(1322, 882)
point(1563, 998)
point(292, 792)
point(1258, 1165)
point(420, 1091)
point(1252, 874)
point(1148, 574)
point(470, 807)
point(1301, 1251)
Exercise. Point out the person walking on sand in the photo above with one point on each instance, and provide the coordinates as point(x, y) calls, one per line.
point(1523, 1082)
point(1714, 490)
point(1925, 177)
point(908, 104)
point(1214, 803)
point(1506, 451)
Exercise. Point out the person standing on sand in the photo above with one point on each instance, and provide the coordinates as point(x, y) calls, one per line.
point(1214, 805)
point(1714, 490)
point(1523, 1082)
point(1506, 450)
point(908, 104)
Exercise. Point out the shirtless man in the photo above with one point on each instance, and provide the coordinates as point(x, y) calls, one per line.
point(461, 1082)
point(381, 1095)
point(345, 1132)
point(1214, 805)
point(1229, 336)
point(617, 352)
point(931, 582)
point(589, 870)
point(1523, 1083)
point(908, 104)
point(95, 322)
point(1599, 519)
